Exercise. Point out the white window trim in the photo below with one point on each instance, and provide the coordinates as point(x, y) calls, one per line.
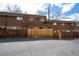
point(2, 26)
point(11, 27)
point(77, 24)
point(67, 30)
point(63, 24)
point(41, 19)
point(54, 23)
point(19, 18)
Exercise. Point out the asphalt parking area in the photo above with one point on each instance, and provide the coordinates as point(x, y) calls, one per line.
point(40, 48)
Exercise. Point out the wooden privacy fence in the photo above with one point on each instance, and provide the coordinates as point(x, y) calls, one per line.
point(11, 33)
point(16, 33)
point(1, 32)
point(40, 32)
point(67, 34)
point(76, 34)
point(64, 34)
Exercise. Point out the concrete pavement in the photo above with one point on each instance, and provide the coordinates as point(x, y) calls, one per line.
point(40, 48)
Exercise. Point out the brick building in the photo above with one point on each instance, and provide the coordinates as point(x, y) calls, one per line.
point(13, 25)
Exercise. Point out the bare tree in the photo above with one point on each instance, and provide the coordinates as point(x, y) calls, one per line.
point(13, 9)
point(75, 19)
point(51, 11)
point(56, 13)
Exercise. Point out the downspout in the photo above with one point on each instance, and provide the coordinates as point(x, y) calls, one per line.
point(6, 27)
point(76, 28)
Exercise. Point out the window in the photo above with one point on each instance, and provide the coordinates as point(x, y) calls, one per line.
point(54, 23)
point(8, 27)
point(11, 27)
point(77, 24)
point(42, 19)
point(67, 30)
point(72, 24)
point(19, 18)
point(2, 26)
point(14, 27)
point(63, 24)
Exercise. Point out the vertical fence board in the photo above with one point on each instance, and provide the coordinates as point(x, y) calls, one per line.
point(40, 32)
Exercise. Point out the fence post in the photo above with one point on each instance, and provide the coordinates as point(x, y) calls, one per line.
point(60, 34)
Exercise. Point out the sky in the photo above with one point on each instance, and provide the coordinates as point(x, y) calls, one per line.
point(68, 8)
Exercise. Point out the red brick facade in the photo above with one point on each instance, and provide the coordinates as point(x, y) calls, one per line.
point(19, 22)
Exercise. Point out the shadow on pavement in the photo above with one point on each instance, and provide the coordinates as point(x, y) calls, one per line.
point(17, 39)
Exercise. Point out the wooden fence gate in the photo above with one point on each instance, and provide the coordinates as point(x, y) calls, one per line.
point(40, 32)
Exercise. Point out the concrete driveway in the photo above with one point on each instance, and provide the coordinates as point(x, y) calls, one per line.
point(40, 48)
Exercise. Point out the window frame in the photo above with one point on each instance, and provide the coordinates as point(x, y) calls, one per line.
point(54, 23)
point(19, 18)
